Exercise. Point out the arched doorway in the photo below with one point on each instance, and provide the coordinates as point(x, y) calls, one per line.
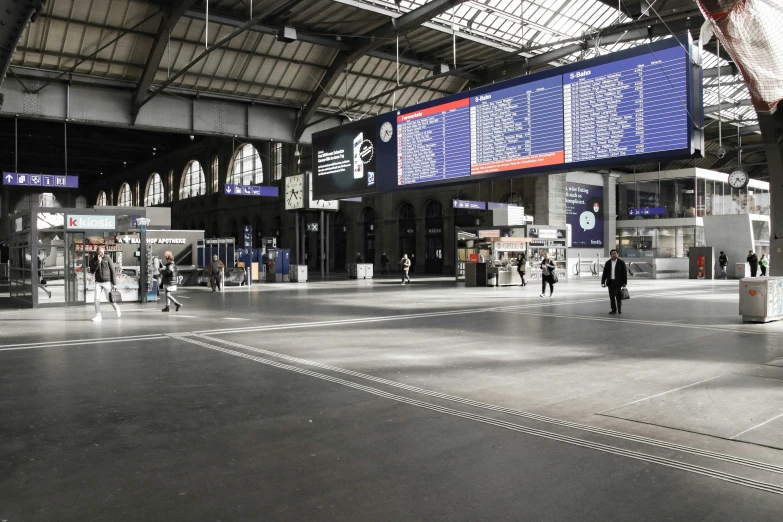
point(433, 244)
point(340, 235)
point(369, 235)
point(407, 231)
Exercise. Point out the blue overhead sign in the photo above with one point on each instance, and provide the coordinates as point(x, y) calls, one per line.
point(40, 180)
point(250, 190)
point(647, 211)
point(470, 205)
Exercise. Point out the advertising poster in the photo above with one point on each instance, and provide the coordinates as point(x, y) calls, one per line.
point(585, 214)
point(344, 160)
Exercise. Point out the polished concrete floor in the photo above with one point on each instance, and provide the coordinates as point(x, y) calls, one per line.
point(367, 400)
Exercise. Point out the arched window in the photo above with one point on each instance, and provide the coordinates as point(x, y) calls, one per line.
point(193, 183)
point(246, 167)
point(155, 193)
point(125, 198)
point(102, 200)
point(514, 199)
point(215, 175)
point(81, 202)
point(407, 231)
point(46, 199)
point(434, 237)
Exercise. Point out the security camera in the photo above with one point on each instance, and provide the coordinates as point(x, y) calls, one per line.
point(720, 152)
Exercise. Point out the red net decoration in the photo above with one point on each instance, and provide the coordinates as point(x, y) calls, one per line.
point(752, 33)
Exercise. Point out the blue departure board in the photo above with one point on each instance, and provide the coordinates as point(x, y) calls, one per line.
point(518, 127)
point(632, 106)
point(433, 144)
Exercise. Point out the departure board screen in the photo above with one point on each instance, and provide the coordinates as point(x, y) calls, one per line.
point(518, 127)
point(628, 104)
point(632, 106)
point(433, 144)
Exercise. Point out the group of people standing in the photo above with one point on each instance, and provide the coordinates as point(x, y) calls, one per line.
point(753, 261)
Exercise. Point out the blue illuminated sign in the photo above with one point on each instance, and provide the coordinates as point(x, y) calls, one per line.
point(251, 190)
point(647, 211)
point(470, 205)
point(40, 180)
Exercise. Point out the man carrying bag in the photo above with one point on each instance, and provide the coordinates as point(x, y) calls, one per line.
point(615, 276)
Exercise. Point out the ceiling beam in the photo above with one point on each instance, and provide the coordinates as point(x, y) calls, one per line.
point(14, 18)
point(727, 105)
point(171, 16)
point(268, 11)
point(369, 42)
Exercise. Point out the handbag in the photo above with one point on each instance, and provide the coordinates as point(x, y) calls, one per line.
point(554, 277)
point(115, 296)
point(624, 295)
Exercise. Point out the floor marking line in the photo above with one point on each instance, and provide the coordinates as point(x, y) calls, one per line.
point(662, 393)
point(510, 411)
point(700, 470)
point(45, 344)
point(618, 320)
point(757, 426)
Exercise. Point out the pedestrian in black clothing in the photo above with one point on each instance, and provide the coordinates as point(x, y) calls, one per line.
point(753, 261)
point(615, 276)
point(723, 261)
point(384, 264)
point(521, 262)
point(359, 258)
point(169, 273)
point(547, 275)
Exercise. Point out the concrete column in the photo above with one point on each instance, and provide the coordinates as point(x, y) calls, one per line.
point(610, 211)
point(771, 130)
point(550, 200)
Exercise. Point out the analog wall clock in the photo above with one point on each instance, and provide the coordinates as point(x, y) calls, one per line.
point(739, 179)
point(294, 192)
point(387, 131)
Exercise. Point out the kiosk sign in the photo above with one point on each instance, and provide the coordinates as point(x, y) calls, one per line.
point(91, 223)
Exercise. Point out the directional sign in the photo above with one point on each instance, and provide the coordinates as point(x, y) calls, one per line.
point(472, 205)
point(40, 180)
point(248, 237)
point(250, 190)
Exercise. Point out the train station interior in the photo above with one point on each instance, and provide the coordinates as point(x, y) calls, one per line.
point(391, 260)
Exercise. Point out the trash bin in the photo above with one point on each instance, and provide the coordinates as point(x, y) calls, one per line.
point(741, 270)
point(761, 299)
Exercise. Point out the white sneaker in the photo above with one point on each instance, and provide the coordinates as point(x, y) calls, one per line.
point(543, 295)
point(119, 314)
point(97, 319)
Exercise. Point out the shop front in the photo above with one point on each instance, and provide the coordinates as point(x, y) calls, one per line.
point(51, 248)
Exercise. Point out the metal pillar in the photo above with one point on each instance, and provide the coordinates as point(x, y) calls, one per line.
point(610, 211)
point(323, 274)
point(772, 131)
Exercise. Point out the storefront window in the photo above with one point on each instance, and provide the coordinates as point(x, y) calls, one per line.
point(686, 197)
point(626, 195)
point(685, 240)
point(667, 243)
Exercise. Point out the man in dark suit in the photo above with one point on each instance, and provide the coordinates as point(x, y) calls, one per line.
point(615, 276)
point(753, 261)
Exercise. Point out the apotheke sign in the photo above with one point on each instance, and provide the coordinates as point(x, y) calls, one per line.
point(91, 223)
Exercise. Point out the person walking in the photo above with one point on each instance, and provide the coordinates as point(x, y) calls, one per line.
point(169, 273)
point(384, 264)
point(547, 275)
point(405, 263)
point(753, 261)
point(615, 277)
point(521, 262)
point(102, 267)
point(215, 271)
point(764, 263)
point(723, 261)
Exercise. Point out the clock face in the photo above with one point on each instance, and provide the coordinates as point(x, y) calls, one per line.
point(320, 204)
point(738, 179)
point(387, 131)
point(294, 192)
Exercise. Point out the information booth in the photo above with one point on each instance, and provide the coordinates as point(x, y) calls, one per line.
point(50, 249)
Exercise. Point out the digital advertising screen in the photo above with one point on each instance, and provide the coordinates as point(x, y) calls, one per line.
point(585, 214)
point(344, 160)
